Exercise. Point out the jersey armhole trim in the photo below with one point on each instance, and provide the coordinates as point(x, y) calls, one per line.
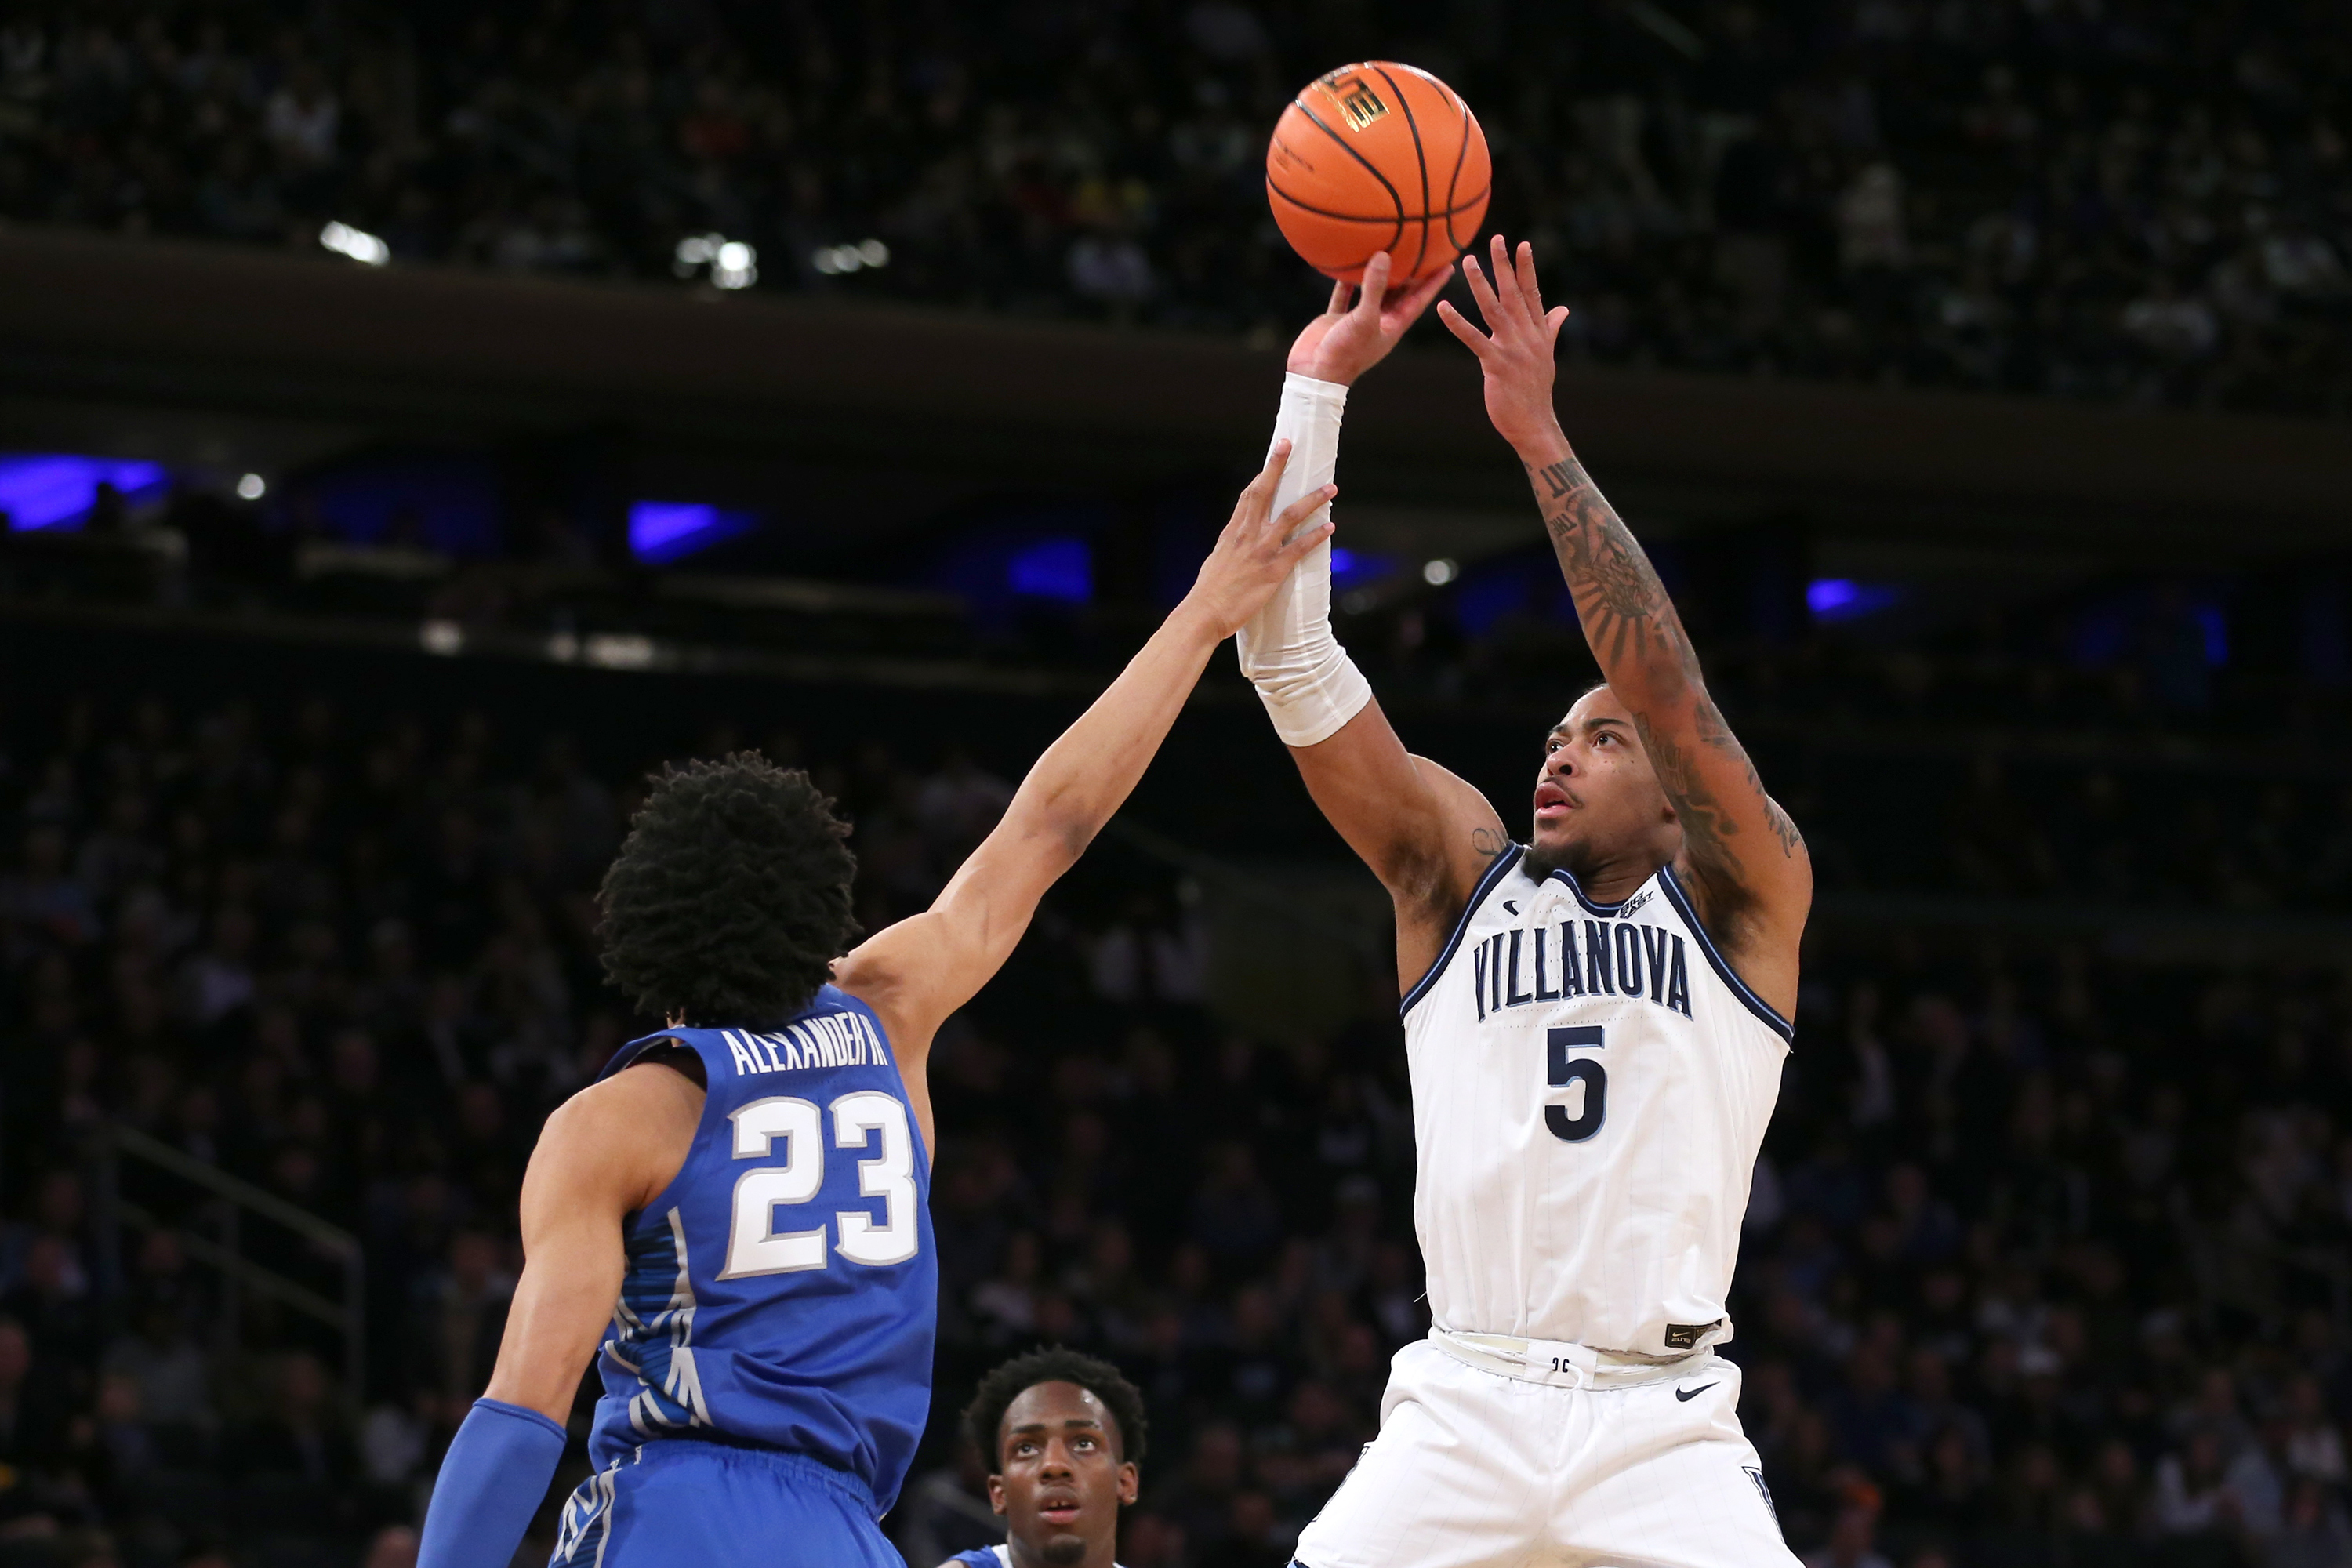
point(1446, 954)
point(1755, 1004)
point(626, 1057)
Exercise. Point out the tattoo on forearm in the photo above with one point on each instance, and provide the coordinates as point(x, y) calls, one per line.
point(1715, 733)
point(1623, 605)
point(1633, 628)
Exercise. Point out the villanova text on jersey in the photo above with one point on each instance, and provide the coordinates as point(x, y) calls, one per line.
point(782, 1291)
point(1617, 957)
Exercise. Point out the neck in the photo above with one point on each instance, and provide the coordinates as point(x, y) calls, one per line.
point(1607, 877)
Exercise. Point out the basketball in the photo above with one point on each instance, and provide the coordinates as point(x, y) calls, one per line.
point(1374, 157)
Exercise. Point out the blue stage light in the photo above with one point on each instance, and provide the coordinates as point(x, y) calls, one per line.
point(663, 531)
point(57, 489)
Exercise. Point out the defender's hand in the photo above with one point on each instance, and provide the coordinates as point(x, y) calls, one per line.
point(1256, 551)
point(1516, 352)
point(1343, 343)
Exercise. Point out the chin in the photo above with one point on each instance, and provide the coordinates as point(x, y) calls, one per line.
point(1064, 1551)
point(1547, 851)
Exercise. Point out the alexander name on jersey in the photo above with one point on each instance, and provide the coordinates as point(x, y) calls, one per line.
point(826, 1040)
point(1610, 957)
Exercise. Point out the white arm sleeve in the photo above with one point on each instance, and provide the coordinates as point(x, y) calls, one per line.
point(1309, 684)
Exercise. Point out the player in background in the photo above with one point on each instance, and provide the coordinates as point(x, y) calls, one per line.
point(738, 1208)
point(1595, 1022)
point(1063, 1433)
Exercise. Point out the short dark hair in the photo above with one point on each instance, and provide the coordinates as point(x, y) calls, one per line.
point(1000, 1388)
point(730, 897)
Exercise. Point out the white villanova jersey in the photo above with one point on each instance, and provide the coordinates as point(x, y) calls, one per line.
point(1591, 1084)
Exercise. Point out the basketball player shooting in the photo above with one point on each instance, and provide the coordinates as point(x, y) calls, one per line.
point(734, 1219)
point(1595, 1021)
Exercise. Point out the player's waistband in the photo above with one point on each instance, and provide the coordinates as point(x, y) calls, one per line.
point(1558, 1362)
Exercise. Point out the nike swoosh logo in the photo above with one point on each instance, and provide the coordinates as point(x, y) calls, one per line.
point(1683, 1395)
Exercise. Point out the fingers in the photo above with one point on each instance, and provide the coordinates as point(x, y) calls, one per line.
point(1375, 283)
point(1291, 554)
point(1484, 293)
point(1340, 289)
point(1299, 511)
point(1507, 286)
point(1528, 288)
point(1476, 340)
point(1554, 319)
point(1257, 496)
point(1408, 309)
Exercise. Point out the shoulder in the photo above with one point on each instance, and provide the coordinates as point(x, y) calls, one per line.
point(629, 1133)
point(979, 1557)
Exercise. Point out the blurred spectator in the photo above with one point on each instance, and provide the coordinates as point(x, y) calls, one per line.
point(1992, 197)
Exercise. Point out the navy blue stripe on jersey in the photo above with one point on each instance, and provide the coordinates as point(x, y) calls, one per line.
point(1606, 911)
point(1509, 858)
point(1756, 1004)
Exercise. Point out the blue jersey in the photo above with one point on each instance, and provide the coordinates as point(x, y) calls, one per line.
point(783, 1290)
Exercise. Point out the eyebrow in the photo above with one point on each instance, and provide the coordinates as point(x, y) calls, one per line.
point(1076, 1423)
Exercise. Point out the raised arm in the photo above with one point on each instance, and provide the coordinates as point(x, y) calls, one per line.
point(1425, 834)
point(919, 970)
point(1742, 857)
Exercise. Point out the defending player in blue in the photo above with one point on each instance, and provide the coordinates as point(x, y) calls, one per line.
point(1063, 1433)
point(737, 1209)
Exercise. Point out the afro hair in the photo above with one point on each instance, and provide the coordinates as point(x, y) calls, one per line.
point(731, 897)
point(1000, 1388)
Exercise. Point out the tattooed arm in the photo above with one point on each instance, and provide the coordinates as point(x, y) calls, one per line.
point(1743, 858)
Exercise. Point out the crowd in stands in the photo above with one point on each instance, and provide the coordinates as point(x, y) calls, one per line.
point(2142, 200)
point(2046, 1262)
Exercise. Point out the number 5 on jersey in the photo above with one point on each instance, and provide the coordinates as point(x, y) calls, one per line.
point(754, 1243)
point(1567, 1070)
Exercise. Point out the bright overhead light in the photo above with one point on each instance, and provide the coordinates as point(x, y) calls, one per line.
point(356, 243)
point(252, 487)
point(1440, 572)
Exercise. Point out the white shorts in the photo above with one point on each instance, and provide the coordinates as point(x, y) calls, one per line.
point(1473, 1469)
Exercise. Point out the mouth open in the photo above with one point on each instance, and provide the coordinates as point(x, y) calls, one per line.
point(1553, 802)
point(1058, 1510)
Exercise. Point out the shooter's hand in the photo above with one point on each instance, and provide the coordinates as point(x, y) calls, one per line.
point(1343, 342)
point(1258, 549)
point(1516, 350)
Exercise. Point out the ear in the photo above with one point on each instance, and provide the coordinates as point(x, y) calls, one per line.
point(1131, 1483)
point(996, 1494)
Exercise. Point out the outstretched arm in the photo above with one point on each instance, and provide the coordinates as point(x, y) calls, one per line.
point(1426, 834)
point(1744, 859)
point(919, 970)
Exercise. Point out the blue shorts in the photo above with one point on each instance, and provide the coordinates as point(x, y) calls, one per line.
point(681, 1503)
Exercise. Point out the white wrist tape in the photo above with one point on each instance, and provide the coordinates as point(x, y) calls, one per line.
point(1309, 684)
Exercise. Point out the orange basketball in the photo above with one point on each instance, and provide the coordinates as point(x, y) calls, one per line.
point(1376, 157)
